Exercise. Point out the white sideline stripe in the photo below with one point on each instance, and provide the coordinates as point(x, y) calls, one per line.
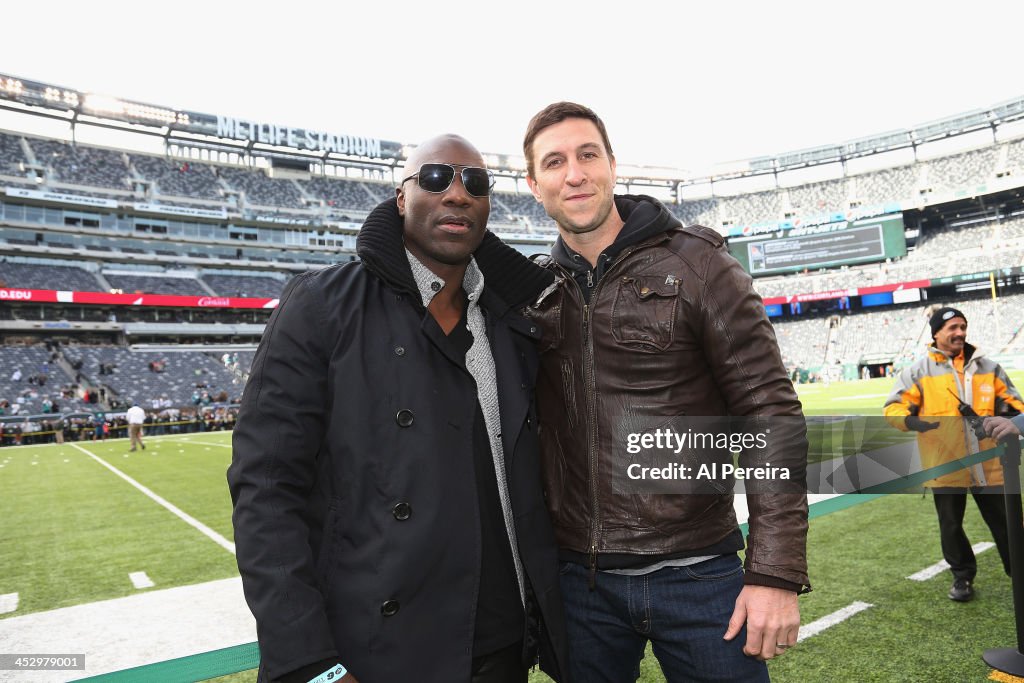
point(829, 620)
point(202, 443)
point(857, 397)
point(145, 627)
point(8, 602)
point(187, 518)
point(942, 565)
point(140, 580)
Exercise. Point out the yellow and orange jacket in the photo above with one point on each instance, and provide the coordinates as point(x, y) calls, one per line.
point(930, 388)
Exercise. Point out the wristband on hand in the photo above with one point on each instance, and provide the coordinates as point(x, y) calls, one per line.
point(333, 674)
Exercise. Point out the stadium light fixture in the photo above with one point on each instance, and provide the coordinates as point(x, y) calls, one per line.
point(103, 104)
point(12, 85)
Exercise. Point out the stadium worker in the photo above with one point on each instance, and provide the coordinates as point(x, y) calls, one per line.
point(649, 317)
point(136, 417)
point(954, 374)
point(388, 511)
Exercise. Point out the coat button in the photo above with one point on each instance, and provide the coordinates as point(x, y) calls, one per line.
point(404, 418)
point(402, 511)
point(390, 608)
point(399, 350)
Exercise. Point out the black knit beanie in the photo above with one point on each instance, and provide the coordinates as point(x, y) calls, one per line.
point(942, 315)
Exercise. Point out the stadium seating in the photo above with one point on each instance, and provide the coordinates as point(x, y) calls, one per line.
point(81, 164)
point(183, 376)
point(816, 198)
point(261, 190)
point(888, 185)
point(898, 333)
point(11, 154)
point(154, 284)
point(511, 207)
point(178, 177)
point(344, 194)
point(961, 171)
point(47, 275)
point(244, 285)
point(40, 380)
point(802, 342)
point(696, 212)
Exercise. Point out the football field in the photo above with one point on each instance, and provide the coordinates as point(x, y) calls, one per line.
point(129, 558)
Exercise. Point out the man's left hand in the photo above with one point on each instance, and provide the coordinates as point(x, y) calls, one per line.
point(772, 616)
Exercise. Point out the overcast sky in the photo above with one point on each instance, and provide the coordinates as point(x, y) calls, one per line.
point(677, 84)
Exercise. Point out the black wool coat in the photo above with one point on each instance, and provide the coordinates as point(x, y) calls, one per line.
point(355, 505)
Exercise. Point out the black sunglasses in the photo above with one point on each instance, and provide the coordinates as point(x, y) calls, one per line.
point(438, 178)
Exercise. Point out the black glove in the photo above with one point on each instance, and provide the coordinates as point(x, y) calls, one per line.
point(914, 423)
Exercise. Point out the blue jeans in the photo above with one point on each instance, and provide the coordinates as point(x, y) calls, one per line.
point(683, 611)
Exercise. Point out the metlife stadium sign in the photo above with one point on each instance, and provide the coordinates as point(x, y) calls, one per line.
point(299, 138)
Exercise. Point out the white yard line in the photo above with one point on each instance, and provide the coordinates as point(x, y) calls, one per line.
point(200, 443)
point(857, 397)
point(8, 602)
point(152, 626)
point(829, 620)
point(141, 580)
point(184, 516)
point(942, 565)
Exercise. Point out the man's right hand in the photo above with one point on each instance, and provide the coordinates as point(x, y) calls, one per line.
point(916, 424)
point(1000, 428)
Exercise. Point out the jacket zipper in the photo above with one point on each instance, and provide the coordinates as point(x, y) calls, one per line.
point(590, 390)
point(962, 391)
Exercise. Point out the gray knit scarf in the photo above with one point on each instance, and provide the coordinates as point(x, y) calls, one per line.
point(480, 364)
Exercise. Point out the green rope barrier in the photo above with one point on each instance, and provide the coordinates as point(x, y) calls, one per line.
point(199, 667)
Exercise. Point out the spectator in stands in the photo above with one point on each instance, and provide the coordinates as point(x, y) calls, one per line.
point(626, 268)
point(136, 417)
point(16, 375)
point(384, 476)
point(952, 376)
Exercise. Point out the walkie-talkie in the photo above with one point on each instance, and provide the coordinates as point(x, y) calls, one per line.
point(977, 422)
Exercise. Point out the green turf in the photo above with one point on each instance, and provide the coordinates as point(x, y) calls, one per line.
point(73, 531)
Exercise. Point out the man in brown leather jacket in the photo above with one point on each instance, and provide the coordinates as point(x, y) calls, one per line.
point(652, 319)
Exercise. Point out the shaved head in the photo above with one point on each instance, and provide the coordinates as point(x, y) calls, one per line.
point(429, 148)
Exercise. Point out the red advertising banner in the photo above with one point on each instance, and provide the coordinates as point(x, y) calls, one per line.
point(103, 298)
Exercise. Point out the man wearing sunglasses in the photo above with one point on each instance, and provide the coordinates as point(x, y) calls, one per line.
point(389, 519)
point(650, 321)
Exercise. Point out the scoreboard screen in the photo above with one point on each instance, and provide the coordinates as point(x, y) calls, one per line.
point(821, 246)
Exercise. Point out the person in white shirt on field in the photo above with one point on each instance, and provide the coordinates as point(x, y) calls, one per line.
point(136, 417)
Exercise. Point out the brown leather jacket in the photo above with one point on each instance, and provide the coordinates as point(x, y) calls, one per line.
point(673, 328)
